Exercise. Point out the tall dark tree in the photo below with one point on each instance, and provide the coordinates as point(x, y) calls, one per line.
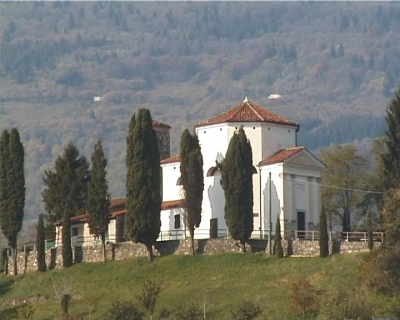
point(143, 189)
point(66, 248)
point(237, 182)
point(391, 158)
point(98, 202)
point(192, 181)
point(65, 193)
point(40, 245)
point(370, 229)
point(323, 235)
point(12, 188)
point(278, 239)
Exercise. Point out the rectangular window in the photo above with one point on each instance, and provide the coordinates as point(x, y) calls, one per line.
point(74, 231)
point(177, 221)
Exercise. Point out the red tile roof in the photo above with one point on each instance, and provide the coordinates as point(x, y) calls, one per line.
point(171, 204)
point(82, 218)
point(171, 160)
point(117, 204)
point(117, 208)
point(247, 112)
point(159, 124)
point(281, 156)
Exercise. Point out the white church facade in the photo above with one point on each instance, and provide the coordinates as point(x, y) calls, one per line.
point(285, 180)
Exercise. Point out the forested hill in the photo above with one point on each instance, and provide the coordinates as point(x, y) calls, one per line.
point(334, 64)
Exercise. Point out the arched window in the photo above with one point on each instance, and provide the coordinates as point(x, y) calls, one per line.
point(179, 181)
point(213, 171)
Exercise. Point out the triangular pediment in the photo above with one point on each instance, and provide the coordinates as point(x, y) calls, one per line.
point(293, 156)
point(305, 158)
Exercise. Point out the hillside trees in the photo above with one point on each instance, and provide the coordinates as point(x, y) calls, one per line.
point(342, 178)
point(12, 188)
point(98, 201)
point(236, 180)
point(143, 183)
point(191, 168)
point(65, 193)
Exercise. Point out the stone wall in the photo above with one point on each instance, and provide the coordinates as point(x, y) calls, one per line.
point(26, 261)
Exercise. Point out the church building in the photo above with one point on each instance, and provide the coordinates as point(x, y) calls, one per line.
point(285, 180)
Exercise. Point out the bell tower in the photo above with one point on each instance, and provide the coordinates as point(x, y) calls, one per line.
point(163, 138)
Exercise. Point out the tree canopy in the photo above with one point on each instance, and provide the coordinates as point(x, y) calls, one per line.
point(192, 178)
point(65, 194)
point(342, 178)
point(143, 182)
point(67, 184)
point(237, 182)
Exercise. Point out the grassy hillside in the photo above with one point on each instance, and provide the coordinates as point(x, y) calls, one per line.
point(186, 62)
point(221, 282)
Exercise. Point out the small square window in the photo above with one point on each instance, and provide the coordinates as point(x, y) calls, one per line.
point(74, 231)
point(177, 221)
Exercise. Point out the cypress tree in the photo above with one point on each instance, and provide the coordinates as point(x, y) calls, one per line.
point(323, 235)
point(40, 245)
point(143, 189)
point(278, 239)
point(391, 158)
point(66, 238)
point(12, 188)
point(65, 193)
point(192, 181)
point(369, 229)
point(237, 182)
point(98, 202)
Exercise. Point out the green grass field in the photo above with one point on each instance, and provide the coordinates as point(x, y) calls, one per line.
point(220, 282)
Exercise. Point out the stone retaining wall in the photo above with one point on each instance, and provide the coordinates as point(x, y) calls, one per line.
point(27, 262)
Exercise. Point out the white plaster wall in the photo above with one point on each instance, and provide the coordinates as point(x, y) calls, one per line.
point(277, 198)
point(112, 230)
point(276, 137)
point(171, 173)
point(308, 197)
point(212, 206)
point(294, 188)
point(167, 230)
point(214, 142)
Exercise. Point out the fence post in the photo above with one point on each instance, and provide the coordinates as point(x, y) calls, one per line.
point(295, 234)
point(365, 237)
point(313, 238)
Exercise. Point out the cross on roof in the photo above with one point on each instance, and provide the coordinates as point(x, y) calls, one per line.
point(245, 90)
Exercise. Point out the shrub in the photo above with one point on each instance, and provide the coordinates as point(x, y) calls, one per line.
point(124, 310)
point(246, 311)
point(26, 311)
point(188, 312)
